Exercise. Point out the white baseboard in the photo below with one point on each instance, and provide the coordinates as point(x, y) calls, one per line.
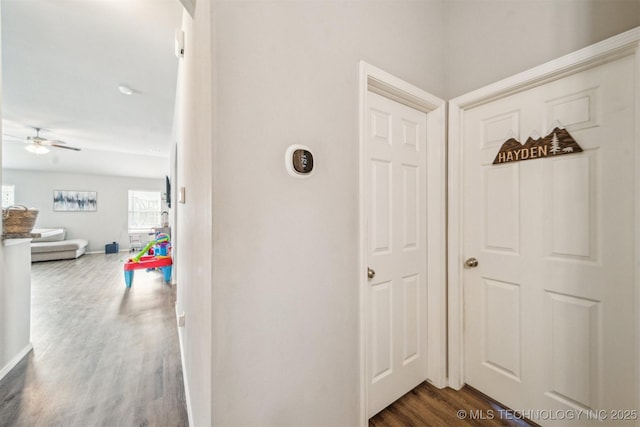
point(103, 252)
point(187, 395)
point(13, 362)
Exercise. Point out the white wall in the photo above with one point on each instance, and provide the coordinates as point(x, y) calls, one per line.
point(488, 40)
point(107, 224)
point(4, 303)
point(285, 287)
point(194, 223)
point(10, 339)
point(15, 290)
point(15, 302)
point(271, 335)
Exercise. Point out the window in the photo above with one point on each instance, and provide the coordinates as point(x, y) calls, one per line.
point(8, 195)
point(144, 210)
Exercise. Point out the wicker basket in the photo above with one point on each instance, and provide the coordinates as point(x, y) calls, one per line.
point(18, 219)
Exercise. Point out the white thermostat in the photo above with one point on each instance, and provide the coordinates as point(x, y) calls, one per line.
point(299, 161)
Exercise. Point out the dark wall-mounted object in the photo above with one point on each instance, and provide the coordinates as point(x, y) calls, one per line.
point(168, 189)
point(299, 161)
point(302, 161)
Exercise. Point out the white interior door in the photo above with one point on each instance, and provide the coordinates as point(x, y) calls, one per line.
point(396, 201)
point(550, 309)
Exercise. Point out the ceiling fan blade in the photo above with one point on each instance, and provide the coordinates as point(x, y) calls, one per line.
point(37, 140)
point(66, 147)
point(51, 142)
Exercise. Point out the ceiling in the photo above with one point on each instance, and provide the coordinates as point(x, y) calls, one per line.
point(62, 63)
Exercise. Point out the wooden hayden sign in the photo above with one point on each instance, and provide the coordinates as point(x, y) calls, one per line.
point(557, 143)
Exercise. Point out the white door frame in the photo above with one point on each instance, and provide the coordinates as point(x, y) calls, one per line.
point(384, 84)
point(627, 43)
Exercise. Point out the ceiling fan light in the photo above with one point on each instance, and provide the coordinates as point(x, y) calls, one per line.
point(37, 149)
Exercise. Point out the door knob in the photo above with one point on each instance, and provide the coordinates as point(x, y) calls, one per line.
point(471, 263)
point(371, 273)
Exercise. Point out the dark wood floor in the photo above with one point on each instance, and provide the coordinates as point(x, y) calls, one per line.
point(103, 355)
point(427, 406)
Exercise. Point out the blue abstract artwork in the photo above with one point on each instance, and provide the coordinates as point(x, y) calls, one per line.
point(74, 201)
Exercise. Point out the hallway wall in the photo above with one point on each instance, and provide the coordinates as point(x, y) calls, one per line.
point(193, 131)
point(8, 350)
point(489, 40)
point(270, 292)
point(285, 288)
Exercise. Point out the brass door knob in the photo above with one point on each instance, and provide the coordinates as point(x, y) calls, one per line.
point(371, 273)
point(471, 263)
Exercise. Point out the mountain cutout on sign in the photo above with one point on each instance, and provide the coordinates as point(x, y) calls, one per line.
point(556, 143)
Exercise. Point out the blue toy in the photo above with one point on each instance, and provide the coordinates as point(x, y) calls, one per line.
point(158, 258)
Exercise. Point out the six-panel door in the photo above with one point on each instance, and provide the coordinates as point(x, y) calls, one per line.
point(549, 311)
point(396, 249)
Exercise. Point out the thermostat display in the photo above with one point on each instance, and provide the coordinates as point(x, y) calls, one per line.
point(299, 161)
point(302, 161)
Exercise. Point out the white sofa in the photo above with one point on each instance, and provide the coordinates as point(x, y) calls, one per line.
point(53, 246)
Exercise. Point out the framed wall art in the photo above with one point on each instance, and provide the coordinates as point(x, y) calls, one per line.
point(75, 201)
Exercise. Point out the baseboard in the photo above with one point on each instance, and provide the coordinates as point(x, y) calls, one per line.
point(13, 362)
point(103, 252)
point(187, 395)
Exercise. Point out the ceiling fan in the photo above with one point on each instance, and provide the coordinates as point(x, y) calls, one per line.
point(40, 145)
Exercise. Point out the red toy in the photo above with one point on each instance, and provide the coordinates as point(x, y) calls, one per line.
point(162, 261)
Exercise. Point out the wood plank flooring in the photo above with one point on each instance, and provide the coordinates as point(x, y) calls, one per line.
point(103, 355)
point(427, 406)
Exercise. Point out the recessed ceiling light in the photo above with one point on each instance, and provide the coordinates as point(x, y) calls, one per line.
point(125, 90)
